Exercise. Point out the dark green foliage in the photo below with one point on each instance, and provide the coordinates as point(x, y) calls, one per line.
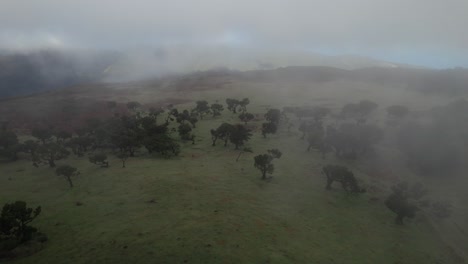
point(202, 108)
point(184, 131)
point(126, 134)
point(14, 224)
point(9, 145)
point(216, 109)
point(400, 206)
point(246, 117)
point(222, 132)
point(67, 171)
point(263, 162)
point(351, 140)
point(30, 147)
point(133, 106)
point(99, 159)
point(243, 104)
point(123, 156)
point(318, 113)
point(273, 116)
point(239, 135)
point(42, 134)
point(232, 104)
point(342, 175)
point(79, 145)
point(403, 200)
point(359, 111)
point(61, 136)
point(269, 128)
point(172, 115)
point(49, 153)
point(162, 144)
point(186, 116)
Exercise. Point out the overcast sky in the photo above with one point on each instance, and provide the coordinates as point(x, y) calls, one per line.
point(425, 32)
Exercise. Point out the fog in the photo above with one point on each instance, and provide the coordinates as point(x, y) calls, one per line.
point(429, 33)
point(369, 94)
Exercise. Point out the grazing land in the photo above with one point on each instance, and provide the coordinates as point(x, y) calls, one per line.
point(203, 206)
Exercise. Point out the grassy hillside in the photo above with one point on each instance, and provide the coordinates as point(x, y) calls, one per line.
point(204, 207)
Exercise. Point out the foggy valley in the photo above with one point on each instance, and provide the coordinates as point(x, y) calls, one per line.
point(230, 135)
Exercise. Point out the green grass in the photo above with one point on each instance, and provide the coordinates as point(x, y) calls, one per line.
point(211, 209)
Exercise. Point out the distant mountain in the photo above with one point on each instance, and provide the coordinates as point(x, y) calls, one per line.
point(444, 82)
point(29, 73)
point(147, 63)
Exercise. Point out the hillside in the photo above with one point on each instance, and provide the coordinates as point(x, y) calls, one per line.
point(203, 206)
point(35, 72)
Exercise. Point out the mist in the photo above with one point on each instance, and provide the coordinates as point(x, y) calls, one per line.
point(239, 132)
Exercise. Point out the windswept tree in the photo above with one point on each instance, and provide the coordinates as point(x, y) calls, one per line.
point(9, 144)
point(404, 200)
point(154, 112)
point(172, 114)
point(133, 105)
point(49, 154)
point(246, 117)
point(269, 128)
point(202, 108)
point(216, 109)
point(123, 156)
point(62, 136)
point(243, 104)
point(163, 144)
point(187, 117)
point(126, 134)
point(350, 140)
point(14, 224)
point(185, 131)
point(79, 145)
point(222, 132)
point(99, 159)
point(42, 134)
point(29, 146)
point(319, 113)
point(263, 162)
point(239, 135)
point(67, 171)
point(273, 116)
point(360, 111)
point(232, 104)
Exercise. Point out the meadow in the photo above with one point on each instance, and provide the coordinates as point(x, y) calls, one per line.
point(205, 207)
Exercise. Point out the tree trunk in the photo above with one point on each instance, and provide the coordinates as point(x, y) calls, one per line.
point(51, 163)
point(263, 174)
point(238, 156)
point(70, 181)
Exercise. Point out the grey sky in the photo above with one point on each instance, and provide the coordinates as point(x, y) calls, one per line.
point(418, 31)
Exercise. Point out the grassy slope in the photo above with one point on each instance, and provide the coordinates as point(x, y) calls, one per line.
point(211, 209)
